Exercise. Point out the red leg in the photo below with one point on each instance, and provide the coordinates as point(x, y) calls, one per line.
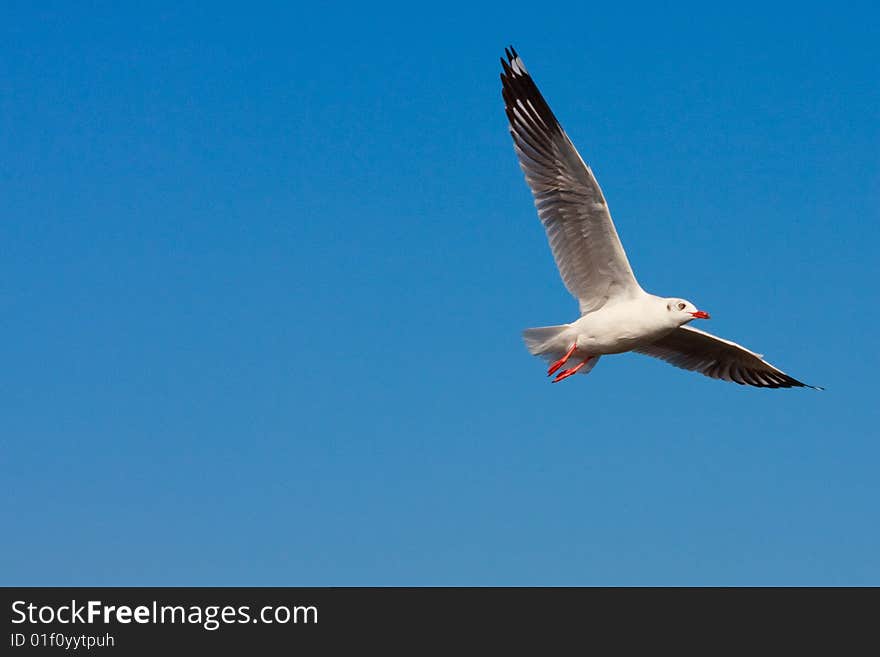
point(564, 374)
point(559, 363)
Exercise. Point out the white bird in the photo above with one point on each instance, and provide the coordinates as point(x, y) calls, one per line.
point(617, 315)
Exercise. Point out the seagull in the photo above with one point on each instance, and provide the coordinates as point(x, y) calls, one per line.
point(617, 315)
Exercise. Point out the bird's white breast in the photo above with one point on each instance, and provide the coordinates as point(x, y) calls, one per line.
point(622, 326)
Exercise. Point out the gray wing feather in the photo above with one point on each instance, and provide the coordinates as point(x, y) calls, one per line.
point(698, 351)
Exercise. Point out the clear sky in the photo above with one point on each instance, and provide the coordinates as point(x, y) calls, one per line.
point(264, 268)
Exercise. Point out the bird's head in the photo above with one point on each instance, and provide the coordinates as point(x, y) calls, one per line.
point(683, 311)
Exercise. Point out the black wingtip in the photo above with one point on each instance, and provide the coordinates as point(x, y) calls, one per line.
point(507, 72)
point(800, 384)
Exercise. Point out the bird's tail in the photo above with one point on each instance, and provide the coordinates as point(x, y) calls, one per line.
point(545, 341)
point(552, 343)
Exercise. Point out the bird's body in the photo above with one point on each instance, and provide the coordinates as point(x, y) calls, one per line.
point(624, 326)
point(614, 328)
point(617, 315)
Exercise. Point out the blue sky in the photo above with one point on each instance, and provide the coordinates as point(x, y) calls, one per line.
point(264, 267)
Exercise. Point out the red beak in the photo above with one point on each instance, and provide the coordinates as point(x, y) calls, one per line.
point(700, 314)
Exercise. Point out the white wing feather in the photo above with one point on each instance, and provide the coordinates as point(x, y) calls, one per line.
point(588, 252)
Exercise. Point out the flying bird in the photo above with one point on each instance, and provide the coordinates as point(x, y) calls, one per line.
point(617, 315)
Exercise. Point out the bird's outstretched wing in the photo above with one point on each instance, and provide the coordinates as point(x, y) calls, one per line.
point(698, 351)
point(588, 252)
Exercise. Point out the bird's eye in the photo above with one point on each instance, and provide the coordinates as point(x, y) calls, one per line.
point(681, 306)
